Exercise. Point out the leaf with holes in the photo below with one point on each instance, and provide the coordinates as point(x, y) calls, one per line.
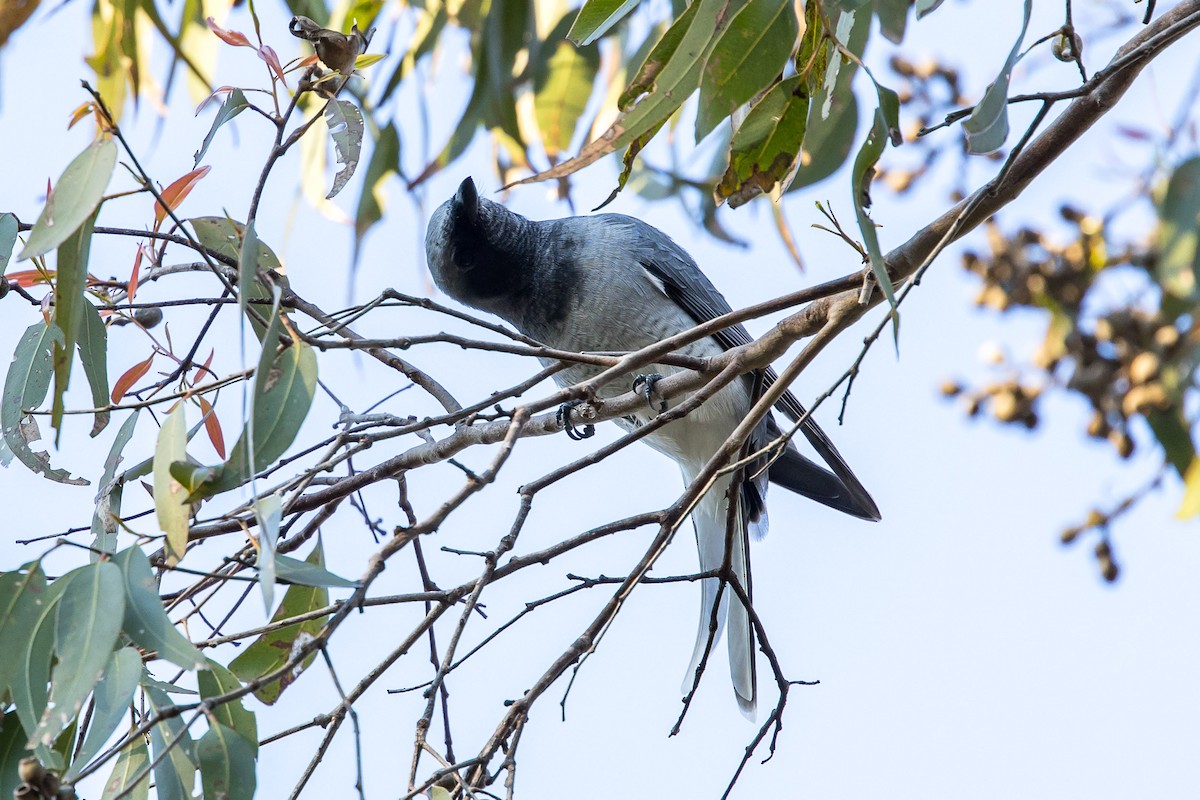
point(345, 123)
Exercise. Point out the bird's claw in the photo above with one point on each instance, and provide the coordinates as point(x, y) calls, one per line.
point(564, 420)
point(645, 384)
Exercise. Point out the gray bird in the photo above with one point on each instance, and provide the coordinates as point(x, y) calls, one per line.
point(613, 283)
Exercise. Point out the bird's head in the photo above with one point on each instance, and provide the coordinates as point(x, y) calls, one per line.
point(478, 251)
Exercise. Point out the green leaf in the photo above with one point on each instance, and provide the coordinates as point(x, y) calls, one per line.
point(88, 623)
point(864, 170)
point(8, 238)
point(766, 148)
point(73, 198)
point(216, 681)
point(385, 162)
point(893, 17)
point(226, 764)
point(234, 104)
point(12, 750)
point(345, 123)
point(22, 595)
point(987, 127)
point(1173, 434)
point(268, 511)
point(1178, 265)
point(746, 59)
point(146, 623)
point(827, 142)
point(31, 672)
point(170, 500)
point(225, 236)
point(113, 695)
point(175, 774)
point(596, 17)
point(284, 384)
point(108, 496)
point(248, 255)
point(562, 84)
point(93, 353)
point(674, 84)
point(133, 759)
point(293, 570)
point(70, 286)
point(662, 52)
point(1190, 506)
point(25, 387)
point(272, 650)
point(925, 7)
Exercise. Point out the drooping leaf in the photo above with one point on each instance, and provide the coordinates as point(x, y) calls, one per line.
point(268, 511)
point(893, 18)
point(766, 148)
point(212, 425)
point(596, 17)
point(230, 37)
point(73, 198)
point(226, 764)
point(216, 681)
point(179, 189)
point(886, 116)
point(293, 570)
point(284, 383)
point(562, 83)
point(12, 750)
point(22, 596)
point(235, 103)
point(113, 695)
point(170, 499)
point(88, 623)
point(827, 142)
point(272, 650)
point(1190, 506)
point(925, 7)
point(987, 127)
point(674, 84)
point(346, 128)
point(32, 670)
point(248, 255)
point(69, 301)
point(8, 239)
point(225, 236)
point(25, 387)
point(145, 622)
point(133, 759)
point(747, 58)
point(1178, 265)
point(175, 773)
point(93, 354)
point(662, 52)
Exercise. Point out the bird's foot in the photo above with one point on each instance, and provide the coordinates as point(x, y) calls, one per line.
point(564, 419)
point(645, 384)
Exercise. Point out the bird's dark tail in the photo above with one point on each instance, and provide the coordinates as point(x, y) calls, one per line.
point(798, 474)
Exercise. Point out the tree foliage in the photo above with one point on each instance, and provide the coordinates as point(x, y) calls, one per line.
point(783, 90)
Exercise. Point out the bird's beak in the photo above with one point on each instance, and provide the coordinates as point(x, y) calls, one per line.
point(466, 200)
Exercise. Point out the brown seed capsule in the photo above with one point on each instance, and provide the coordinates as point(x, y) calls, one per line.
point(1006, 406)
point(148, 317)
point(30, 770)
point(1122, 442)
point(951, 388)
point(1098, 426)
point(1144, 366)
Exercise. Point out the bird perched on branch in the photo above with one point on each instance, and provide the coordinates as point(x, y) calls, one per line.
point(613, 283)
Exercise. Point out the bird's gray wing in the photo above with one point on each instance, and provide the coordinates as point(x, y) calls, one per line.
point(691, 290)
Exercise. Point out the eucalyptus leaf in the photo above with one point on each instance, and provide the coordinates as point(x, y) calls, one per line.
point(987, 127)
point(73, 198)
point(145, 621)
point(171, 505)
point(113, 695)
